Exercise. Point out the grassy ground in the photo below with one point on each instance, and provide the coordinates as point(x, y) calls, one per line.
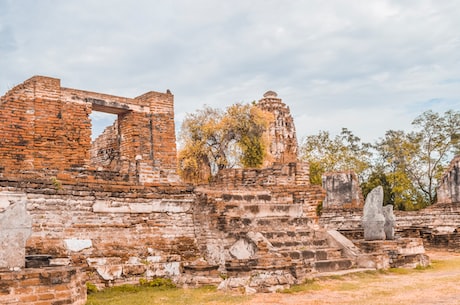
point(436, 284)
point(137, 295)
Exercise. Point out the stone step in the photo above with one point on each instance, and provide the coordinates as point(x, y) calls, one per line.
point(290, 223)
point(290, 244)
point(341, 272)
point(294, 235)
point(333, 265)
point(315, 243)
point(263, 224)
point(318, 254)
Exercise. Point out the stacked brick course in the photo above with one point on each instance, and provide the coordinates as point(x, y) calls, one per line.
point(49, 286)
point(40, 133)
point(46, 130)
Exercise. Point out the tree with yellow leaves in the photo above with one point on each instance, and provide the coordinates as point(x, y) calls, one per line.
point(212, 140)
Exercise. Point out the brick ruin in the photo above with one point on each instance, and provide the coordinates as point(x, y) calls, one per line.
point(281, 132)
point(115, 209)
point(342, 191)
point(46, 131)
point(449, 189)
point(438, 225)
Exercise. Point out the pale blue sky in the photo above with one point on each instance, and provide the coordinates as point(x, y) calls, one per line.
point(366, 65)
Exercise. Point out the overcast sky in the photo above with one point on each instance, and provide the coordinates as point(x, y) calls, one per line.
point(366, 65)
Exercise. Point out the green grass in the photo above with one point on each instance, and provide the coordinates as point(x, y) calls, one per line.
point(308, 285)
point(446, 264)
point(146, 295)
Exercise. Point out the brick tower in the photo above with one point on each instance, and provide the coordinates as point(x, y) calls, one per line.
point(281, 132)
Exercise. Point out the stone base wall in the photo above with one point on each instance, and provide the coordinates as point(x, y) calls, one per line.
point(46, 286)
point(121, 232)
point(438, 225)
point(118, 233)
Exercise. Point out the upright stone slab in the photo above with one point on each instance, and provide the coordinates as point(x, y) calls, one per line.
point(373, 219)
point(15, 228)
point(390, 219)
point(342, 190)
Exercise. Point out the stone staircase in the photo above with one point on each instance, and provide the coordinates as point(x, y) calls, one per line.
point(310, 251)
point(298, 248)
point(267, 240)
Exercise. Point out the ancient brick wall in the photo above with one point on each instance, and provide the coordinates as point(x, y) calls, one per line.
point(118, 232)
point(281, 132)
point(121, 232)
point(276, 175)
point(438, 225)
point(105, 150)
point(449, 187)
point(46, 130)
point(49, 286)
point(40, 133)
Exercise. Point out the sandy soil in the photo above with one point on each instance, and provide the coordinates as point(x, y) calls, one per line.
point(427, 287)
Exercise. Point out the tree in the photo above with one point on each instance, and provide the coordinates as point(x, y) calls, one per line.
point(412, 163)
point(394, 153)
point(437, 138)
point(342, 153)
point(212, 140)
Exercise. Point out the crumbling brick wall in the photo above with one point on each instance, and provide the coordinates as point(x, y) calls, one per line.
point(276, 175)
point(118, 233)
point(105, 150)
point(40, 132)
point(46, 130)
point(50, 286)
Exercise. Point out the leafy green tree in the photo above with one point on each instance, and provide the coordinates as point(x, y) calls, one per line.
point(212, 140)
point(394, 154)
point(437, 138)
point(341, 153)
point(412, 163)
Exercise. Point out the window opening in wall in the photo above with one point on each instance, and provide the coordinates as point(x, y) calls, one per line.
point(105, 146)
point(100, 121)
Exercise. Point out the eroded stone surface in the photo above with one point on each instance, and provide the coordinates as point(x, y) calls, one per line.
point(389, 226)
point(243, 249)
point(15, 229)
point(76, 245)
point(342, 191)
point(110, 272)
point(373, 219)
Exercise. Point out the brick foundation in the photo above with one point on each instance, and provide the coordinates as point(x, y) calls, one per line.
point(45, 286)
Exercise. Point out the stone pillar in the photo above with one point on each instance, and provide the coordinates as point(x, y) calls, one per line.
point(389, 226)
point(15, 229)
point(373, 219)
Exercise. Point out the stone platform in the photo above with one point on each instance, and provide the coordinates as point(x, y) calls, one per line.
point(401, 252)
